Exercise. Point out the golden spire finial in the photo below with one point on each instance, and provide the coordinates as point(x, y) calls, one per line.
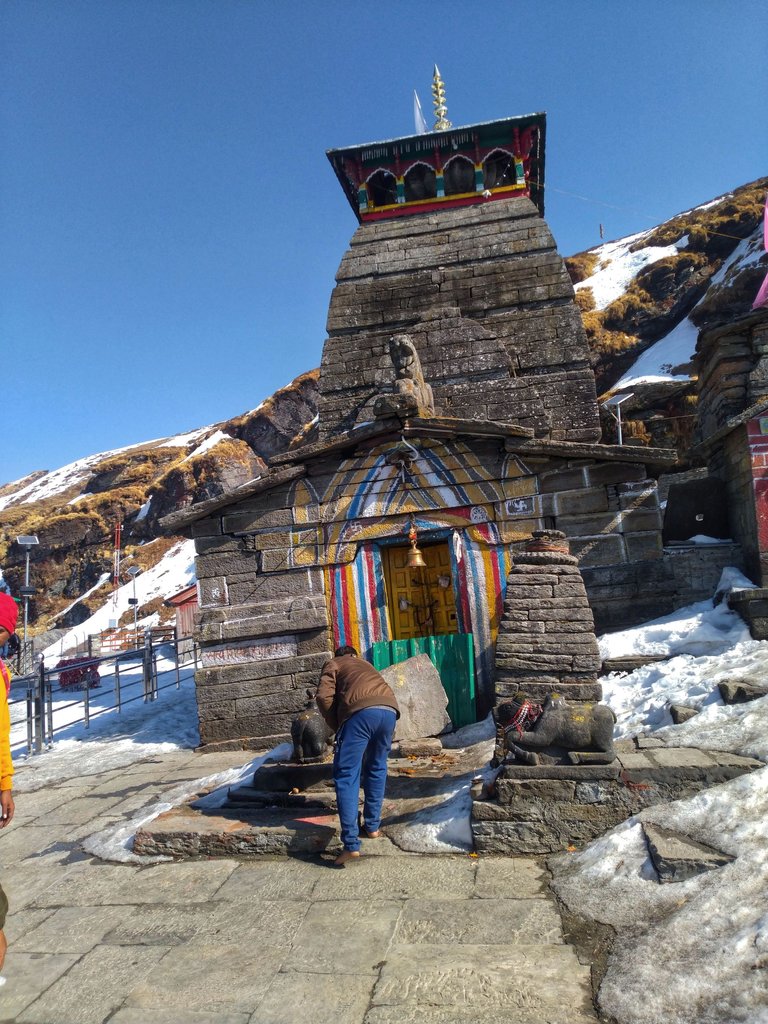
point(438, 100)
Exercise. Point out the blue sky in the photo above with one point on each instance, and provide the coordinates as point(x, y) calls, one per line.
point(169, 224)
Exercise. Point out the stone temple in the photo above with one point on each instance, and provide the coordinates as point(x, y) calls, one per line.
point(457, 416)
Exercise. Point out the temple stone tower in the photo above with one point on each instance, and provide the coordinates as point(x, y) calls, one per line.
point(453, 249)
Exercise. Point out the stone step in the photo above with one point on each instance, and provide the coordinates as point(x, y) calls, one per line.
point(630, 662)
point(183, 832)
point(250, 796)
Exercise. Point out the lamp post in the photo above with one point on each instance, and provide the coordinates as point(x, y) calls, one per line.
point(133, 571)
point(616, 400)
point(26, 542)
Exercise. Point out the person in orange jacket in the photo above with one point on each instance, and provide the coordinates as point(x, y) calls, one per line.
point(9, 615)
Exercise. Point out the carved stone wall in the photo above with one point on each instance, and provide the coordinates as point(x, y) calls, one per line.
point(487, 300)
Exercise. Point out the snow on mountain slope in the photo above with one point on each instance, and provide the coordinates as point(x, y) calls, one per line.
point(174, 571)
point(669, 358)
point(618, 265)
point(58, 481)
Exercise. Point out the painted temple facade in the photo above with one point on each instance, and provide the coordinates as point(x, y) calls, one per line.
point(457, 411)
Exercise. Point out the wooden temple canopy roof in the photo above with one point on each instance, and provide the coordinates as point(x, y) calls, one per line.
point(523, 137)
point(293, 464)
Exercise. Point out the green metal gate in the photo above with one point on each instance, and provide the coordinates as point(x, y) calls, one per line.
point(453, 657)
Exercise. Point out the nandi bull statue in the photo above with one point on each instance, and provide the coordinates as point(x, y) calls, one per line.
point(553, 731)
point(312, 739)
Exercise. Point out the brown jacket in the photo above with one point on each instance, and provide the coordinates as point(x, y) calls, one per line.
point(349, 684)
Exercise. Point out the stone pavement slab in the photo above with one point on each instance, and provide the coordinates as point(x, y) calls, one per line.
point(71, 930)
point(527, 979)
point(94, 987)
point(475, 922)
point(29, 840)
point(471, 1015)
point(279, 879)
point(344, 937)
point(32, 806)
point(217, 978)
point(315, 999)
point(80, 810)
point(28, 975)
point(399, 878)
point(198, 923)
point(29, 879)
point(92, 884)
point(23, 921)
point(509, 876)
point(135, 1015)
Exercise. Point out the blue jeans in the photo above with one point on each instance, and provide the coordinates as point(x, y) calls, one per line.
point(362, 747)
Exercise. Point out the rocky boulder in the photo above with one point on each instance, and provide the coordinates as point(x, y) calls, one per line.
point(420, 696)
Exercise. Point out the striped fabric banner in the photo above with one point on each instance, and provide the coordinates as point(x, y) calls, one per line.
point(482, 575)
point(358, 604)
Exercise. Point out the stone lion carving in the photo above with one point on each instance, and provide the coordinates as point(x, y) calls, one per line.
point(410, 394)
point(526, 732)
point(312, 738)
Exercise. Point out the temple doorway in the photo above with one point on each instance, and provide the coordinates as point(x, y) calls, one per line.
point(423, 620)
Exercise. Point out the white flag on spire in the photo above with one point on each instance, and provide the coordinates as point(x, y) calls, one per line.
point(418, 116)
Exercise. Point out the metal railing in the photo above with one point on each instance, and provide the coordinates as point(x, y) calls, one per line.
point(106, 642)
point(44, 688)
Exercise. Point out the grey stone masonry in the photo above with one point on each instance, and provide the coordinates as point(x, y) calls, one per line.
point(550, 808)
point(546, 640)
point(266, 557)
point(486, 299)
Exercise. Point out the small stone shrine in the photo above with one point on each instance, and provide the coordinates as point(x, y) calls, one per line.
point(546, 638)
point(554, 746)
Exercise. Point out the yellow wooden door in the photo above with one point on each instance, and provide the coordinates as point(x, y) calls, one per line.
point(421, 602)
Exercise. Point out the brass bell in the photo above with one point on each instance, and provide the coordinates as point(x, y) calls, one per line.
point(415, 557)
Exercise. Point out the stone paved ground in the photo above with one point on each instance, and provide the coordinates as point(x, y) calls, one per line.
point(394, 938)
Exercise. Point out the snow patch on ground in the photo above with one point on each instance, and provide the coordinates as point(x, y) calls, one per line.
point(468, 735)
point(180, 440)
point(55, 482)
point(692, 952)
point(113, 739)
point(442, 828)
point(701, 628)
point(672, 352)
point(144, 510)
point(750, 250)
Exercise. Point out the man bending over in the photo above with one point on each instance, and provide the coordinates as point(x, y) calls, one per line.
point(358, 704)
